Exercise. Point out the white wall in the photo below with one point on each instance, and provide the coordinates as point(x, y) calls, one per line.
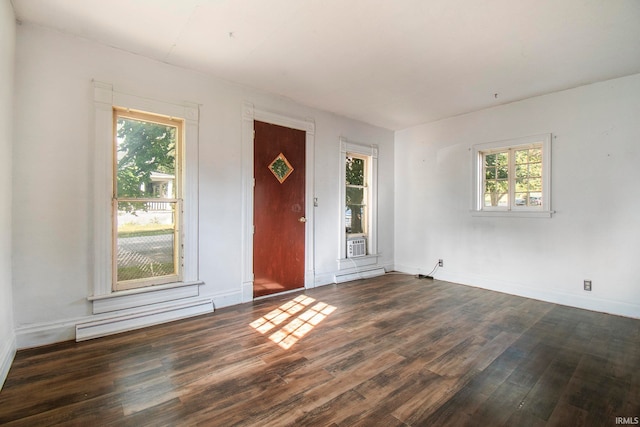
point(7, 50)
point(595, 232)
point(52, 268)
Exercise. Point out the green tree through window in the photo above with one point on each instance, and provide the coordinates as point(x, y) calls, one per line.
point(355, 195)
point(147, 199)
point(143, 148)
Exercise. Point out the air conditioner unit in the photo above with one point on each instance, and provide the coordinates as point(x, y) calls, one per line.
point(356, 247)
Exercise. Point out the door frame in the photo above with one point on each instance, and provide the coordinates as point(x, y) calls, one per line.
point(249, 115)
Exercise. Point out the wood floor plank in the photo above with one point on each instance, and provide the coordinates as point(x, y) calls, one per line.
point(271, 403)
point(501, 405)
point(550, 387)
point(418, 407)
point(568, 415)
point(594, 391)
point(392, 351)
point(461, 407)
point(342, 382)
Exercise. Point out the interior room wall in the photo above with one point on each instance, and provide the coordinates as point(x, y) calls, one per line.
point(7, 50)
point(52, 233)
point(594, 232)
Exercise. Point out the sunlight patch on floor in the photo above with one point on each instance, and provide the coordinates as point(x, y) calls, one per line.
point(297, 327)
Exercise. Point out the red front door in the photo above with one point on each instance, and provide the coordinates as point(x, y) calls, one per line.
point(279, 209)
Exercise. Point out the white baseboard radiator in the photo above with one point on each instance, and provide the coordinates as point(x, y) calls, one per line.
point(356, 247)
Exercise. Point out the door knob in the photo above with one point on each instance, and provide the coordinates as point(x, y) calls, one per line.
point(302, 219)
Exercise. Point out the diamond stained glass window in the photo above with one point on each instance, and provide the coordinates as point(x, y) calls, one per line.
point(281, 168)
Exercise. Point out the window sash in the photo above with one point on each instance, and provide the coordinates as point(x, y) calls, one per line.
point(363, 206)
point(156, 257)
point(510, 192)
point(149, 254)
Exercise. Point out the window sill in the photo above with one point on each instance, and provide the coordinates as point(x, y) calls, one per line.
point(513, 214)
point(131, 298)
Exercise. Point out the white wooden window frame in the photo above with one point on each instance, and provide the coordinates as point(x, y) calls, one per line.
point(511, 145)
point(104, 297)
point(370, 152)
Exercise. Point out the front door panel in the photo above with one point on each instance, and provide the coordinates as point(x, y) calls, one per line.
point(279, 209)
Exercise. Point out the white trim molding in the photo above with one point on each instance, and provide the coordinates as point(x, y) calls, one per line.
point(366, 266)
point(371, 151)
point(572, 299)
point(139, 297)
point(343, 276)
point(477, 170)
point(7, 354)
point(128, 320)
point(362, 267)
point(249, 115)
point(97, 325)
point(39, 334)
point(152, 304)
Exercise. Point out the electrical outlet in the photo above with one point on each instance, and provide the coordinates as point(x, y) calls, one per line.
point(587, 285)
point(440, 263)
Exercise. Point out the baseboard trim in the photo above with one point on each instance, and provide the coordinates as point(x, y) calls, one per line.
point(341, 277)
point(247, 292)
point(7, 354)
point(324, 279)
point(576, 300)
point(39, 334)
point(36, 335)
point(149, 316)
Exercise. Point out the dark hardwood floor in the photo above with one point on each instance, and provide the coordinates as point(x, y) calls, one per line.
point(389, 351)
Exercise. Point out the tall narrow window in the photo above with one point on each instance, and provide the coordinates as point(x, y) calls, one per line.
point(147, 200)
point(357, 245)
point(358, 194)
point(356, 210)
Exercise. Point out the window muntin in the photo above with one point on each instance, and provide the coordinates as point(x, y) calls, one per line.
point(513, 176)
point(147, 199)
point(356, 200)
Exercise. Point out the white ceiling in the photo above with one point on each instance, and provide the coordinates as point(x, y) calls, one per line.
point(391, 63)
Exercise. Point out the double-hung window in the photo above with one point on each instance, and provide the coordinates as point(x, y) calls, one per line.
point(358, 200)
point(145, 207)
point(147, 199)
point(356, 197)
point(513, 177)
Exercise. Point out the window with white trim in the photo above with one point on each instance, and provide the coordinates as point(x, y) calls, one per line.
point(358, 195)
point(513, 176)
point(147, 199)
point(161, 187)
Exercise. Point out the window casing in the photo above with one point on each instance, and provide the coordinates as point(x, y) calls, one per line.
point(104, 297)
point(358, 193)
point(512, 177)
point(147, 199)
